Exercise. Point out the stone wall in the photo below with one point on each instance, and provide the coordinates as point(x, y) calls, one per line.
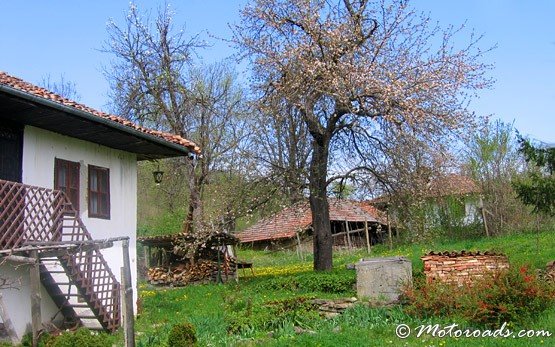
point(462, 267)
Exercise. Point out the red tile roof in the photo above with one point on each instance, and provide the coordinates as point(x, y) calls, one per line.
point(452, 184)
point(34, 90)
point(380, 216)
point(286, 223)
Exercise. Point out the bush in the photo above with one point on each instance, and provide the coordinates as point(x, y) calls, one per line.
point(242, 316)
point(81, 337)
point(326, 282)
point(516, 296)
point(182, 335)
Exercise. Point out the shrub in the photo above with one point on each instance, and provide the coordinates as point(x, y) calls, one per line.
point(81, 337)
point(326, 282)
point(182, 335)
point(242, 316)
point(516, 296)
point(150, 340)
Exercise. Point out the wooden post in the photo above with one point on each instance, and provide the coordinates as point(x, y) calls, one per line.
point(34, 286)
point(485, 221)
point(368, 243)
point(348, 236)
point(146, 252)
point(127, 300)
point(299, 246)
point(8, 325)
point(484, 216)
point(123, 303)
point(389, 235)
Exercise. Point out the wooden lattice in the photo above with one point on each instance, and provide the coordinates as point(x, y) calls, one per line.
point(29, 213)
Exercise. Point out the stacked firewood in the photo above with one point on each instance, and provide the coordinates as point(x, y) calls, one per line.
point(184, 273)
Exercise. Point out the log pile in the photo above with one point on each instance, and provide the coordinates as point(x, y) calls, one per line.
point(203, 271)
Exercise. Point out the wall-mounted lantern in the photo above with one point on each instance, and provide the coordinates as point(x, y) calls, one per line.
point(158, 175)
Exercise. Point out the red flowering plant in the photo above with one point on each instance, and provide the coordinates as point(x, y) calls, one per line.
point(511, 296)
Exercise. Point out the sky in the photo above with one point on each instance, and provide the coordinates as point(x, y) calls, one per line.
point(65, 38)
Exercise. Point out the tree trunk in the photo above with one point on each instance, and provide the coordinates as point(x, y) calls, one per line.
point(194, 213)
point(323, 241)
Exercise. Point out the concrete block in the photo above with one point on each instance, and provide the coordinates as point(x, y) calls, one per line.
point(381, 279)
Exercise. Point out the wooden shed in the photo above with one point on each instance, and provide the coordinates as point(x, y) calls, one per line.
point(213, 259)
point(354, 224)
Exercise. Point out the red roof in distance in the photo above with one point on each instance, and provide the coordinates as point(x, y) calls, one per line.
point(286, 223)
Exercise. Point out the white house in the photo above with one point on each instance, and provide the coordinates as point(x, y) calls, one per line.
point(50, 144)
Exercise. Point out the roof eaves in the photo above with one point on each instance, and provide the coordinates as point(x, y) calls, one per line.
point(94, 118)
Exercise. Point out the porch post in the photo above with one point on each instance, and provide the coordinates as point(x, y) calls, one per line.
point(127, 300)
point(34, 284)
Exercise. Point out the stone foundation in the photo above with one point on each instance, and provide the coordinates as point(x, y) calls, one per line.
point(462, 267)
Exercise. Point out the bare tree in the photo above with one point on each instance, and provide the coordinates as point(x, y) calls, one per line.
point(281, 145)
point(62, 87)
point(155, 82)
point(493, 161)
point(349, 65)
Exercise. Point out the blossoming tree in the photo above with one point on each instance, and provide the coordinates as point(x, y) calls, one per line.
point(350, 67)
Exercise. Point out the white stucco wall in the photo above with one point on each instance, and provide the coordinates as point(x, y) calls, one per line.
point(41, 147)
point(472, 211)
point(17, 298)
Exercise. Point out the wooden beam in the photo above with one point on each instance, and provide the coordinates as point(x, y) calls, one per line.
point(34, 284)
point(74, 249)
point(41, 246)
point(356, 231)
point(19, 259)
point(76, 243)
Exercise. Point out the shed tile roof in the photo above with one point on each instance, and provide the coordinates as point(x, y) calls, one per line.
point(32, 89)
point(286, 223)
point(380, 216)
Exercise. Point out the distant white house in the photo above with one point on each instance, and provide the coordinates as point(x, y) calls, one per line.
point(50, 144)
point(456, 197)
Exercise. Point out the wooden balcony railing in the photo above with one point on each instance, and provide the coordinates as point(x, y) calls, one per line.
point(35, 214)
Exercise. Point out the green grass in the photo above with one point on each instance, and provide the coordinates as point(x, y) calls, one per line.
point(210, 307)
point(530, 248)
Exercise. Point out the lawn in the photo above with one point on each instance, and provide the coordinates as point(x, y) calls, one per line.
point(267, 309)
